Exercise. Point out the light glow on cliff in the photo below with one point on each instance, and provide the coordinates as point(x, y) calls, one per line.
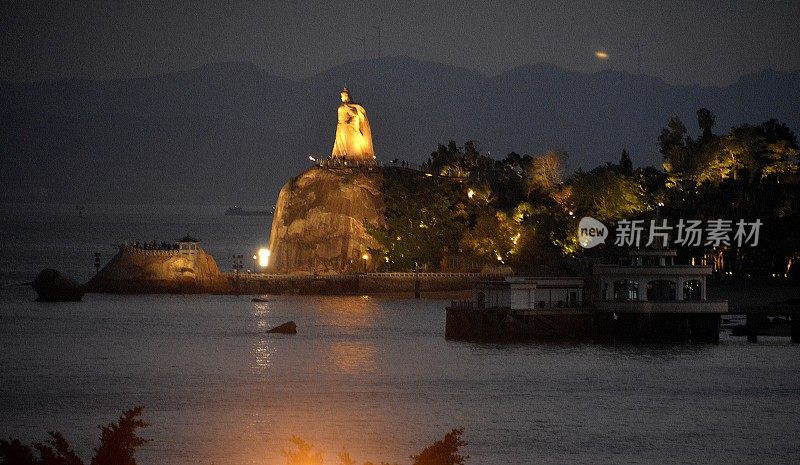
point(263, 257)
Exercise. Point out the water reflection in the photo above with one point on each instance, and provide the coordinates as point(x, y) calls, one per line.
point(262, 348)
point(350, 311)
point(353, 357)
point(260, 308)
point(260, 312)
point(262, 355)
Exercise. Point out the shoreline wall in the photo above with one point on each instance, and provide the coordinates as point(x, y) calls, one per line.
point(351, 284)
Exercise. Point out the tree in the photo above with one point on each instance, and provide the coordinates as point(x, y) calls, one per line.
point(705, 120)
point(726, 160)
point(118, 444)
point(494, 237)
point(781, 158)
point(780, 154)
point(304, 455)
point(443, 452)
point(546, 171)
point(424, 216)
point(607, 195)
point(57, 451)
point(345, 458)
point(13, 452)
point(119, 441)
point(625, 164)
point(673, 146)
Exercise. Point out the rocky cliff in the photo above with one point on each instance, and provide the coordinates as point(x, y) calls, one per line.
point(159, 271)
point(318, 226)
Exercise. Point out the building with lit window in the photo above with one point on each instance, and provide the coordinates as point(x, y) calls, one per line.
point(649, 281)
point(646, 296)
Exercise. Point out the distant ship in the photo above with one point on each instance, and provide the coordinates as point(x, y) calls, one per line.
point(239, 211)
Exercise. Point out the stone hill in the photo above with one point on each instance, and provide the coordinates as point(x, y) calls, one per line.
point(137, 270)
point(318, 226)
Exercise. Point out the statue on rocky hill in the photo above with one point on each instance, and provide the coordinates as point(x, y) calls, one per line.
point(353, 136)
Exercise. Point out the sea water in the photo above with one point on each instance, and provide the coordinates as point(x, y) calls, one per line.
point(370, 375)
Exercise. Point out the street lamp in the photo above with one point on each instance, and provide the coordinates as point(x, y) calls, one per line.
point(365, 257)
point(238, 264)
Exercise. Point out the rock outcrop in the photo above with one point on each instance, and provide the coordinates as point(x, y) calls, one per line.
point(318, 226)
point(290, 327)
point(52, 286)
point(134, 270)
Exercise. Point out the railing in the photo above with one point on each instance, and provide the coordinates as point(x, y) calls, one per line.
point(152, 252)
point(462, 304)
point(411, 274)
point(339, 163)
point(399, 274)
point(766, 309)
point(248, 275)
point(566, 306)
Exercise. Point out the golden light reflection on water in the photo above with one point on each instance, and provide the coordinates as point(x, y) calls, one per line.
point(262, 355)
point(353, 357)
point(262, 348)
point(350, 312)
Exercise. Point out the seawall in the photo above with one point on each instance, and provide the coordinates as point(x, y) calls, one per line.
point(371, 283)
point(466, 322)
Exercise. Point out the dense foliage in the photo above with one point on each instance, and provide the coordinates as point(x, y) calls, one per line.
point(523, 210)
point(752, 172)
point(442, 452)
point(118, 444)
point(119, 441)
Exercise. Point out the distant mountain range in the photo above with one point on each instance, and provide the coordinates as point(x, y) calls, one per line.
point(231, 133)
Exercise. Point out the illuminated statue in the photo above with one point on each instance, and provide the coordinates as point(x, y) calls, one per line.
point(353, 136)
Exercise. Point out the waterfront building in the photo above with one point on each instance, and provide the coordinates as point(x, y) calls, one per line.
point(188, 245)
point(646, 296)
point(531, 292)
point(650, 281)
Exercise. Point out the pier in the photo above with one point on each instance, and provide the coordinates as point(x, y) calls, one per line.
point(644, 297)
point(756, 315)
point(601, 321)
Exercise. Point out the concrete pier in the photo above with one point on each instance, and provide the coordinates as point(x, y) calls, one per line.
point(465, 322)
point(758, 318)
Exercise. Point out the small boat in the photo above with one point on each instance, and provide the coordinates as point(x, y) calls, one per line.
point(239, 211)
point(259, 299)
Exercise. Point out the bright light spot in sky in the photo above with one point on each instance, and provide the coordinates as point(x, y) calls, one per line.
point(601, 55)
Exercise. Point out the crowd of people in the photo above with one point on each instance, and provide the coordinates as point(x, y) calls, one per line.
point(153, 245)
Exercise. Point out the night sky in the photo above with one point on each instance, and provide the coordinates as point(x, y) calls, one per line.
point(681, 42)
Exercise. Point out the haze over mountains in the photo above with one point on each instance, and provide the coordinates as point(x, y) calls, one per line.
point(230, 133)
